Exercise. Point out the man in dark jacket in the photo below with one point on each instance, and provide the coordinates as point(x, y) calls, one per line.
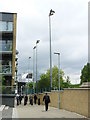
point(35, 98)
point(46, 98)
point(31, 99)
point(25, 99)
point(20, 98)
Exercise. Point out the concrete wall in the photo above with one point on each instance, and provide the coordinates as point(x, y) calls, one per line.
point(75, 100)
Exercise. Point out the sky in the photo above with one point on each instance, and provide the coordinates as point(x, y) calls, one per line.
point(69, 34)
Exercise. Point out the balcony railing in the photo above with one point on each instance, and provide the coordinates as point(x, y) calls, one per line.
point(5, 69)
point(5, 47)
point(6, 26)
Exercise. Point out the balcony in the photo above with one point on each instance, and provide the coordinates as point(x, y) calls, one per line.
point(6, 26)
point(6, 30)
point(6, 47)
point(6, 35)
point(5, 69)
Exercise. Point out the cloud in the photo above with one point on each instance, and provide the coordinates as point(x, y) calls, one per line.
point(69, 33)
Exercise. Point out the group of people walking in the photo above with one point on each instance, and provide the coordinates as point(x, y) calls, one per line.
point(46, 99)
point(30, 99)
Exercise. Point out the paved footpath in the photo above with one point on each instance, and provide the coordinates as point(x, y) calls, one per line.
point(37, 111)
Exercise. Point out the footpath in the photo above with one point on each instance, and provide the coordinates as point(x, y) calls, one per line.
point(38, 111)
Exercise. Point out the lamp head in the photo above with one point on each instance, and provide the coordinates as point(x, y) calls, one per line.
point(29, 57)
point(51, 12)
point(34, 47)
point(57, 53)
point(37, 41)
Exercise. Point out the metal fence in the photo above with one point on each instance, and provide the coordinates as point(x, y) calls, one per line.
point(26, 90)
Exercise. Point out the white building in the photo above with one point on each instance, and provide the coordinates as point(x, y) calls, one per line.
point(26, 78)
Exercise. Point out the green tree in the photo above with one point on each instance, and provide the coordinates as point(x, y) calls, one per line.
point(45, 78)
point(30, 85)
point(68, 80)
point(67, 83)
point(44, 82)
point(85, 73)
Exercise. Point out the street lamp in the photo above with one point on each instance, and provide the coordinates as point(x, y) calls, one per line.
point(28, 67)
point(36, 64)
point(16, 70)
point(59, 74)
point(50, 14)
point(33, 67)
point(28, 72)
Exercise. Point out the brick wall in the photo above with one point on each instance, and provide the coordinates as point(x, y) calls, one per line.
point(75, 100)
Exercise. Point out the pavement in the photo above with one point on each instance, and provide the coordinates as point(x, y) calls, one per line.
point(5, 112)
point(35, 111)
point(38, 111)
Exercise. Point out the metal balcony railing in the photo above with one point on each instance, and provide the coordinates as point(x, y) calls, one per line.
point(6, 26)
point(5, 69)
point(5, 47)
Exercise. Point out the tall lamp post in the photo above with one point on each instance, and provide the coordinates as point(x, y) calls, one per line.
point(28, 72)
point(16, 74)
point(59, 74)
point(33, 68)
point(50, 14)
point(36, 65)
point(16, 70)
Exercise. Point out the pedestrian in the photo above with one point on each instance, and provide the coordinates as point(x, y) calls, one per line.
point(31, 99)
point(46, 98)
point(35, 99)
point(17, 98)
point(20, 98)
point(38, 101)
point(25, 99)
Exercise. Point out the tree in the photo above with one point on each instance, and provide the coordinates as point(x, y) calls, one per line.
point(45, 78)
point(85, 73)
point(44, 82)
point(68, 80)
point(67, 83)
point(55, 76)
point(30, 85)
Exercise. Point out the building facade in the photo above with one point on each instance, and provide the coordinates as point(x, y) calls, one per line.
point(7, 47)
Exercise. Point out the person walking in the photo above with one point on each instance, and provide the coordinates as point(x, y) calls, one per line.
point(35, 99)
point(20, 98)
point(17, 98)
point(25, 99)
point(31, 99)
point(38, 101)
point(46, 98)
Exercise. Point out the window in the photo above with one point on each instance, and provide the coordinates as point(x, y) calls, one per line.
point(6, 26)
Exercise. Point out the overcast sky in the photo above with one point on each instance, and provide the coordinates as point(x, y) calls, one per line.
point(69, 33)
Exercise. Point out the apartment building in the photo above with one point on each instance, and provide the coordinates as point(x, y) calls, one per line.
point(8, 47)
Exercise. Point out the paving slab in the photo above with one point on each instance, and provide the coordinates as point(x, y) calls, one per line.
point(38, 111)
point(2, 107)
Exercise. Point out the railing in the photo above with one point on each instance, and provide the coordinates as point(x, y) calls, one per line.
point(6, 47)
point(6, 26)
point(26, 90)
point(7, 69)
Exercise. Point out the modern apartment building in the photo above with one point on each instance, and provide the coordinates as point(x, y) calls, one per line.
point(8, 47)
